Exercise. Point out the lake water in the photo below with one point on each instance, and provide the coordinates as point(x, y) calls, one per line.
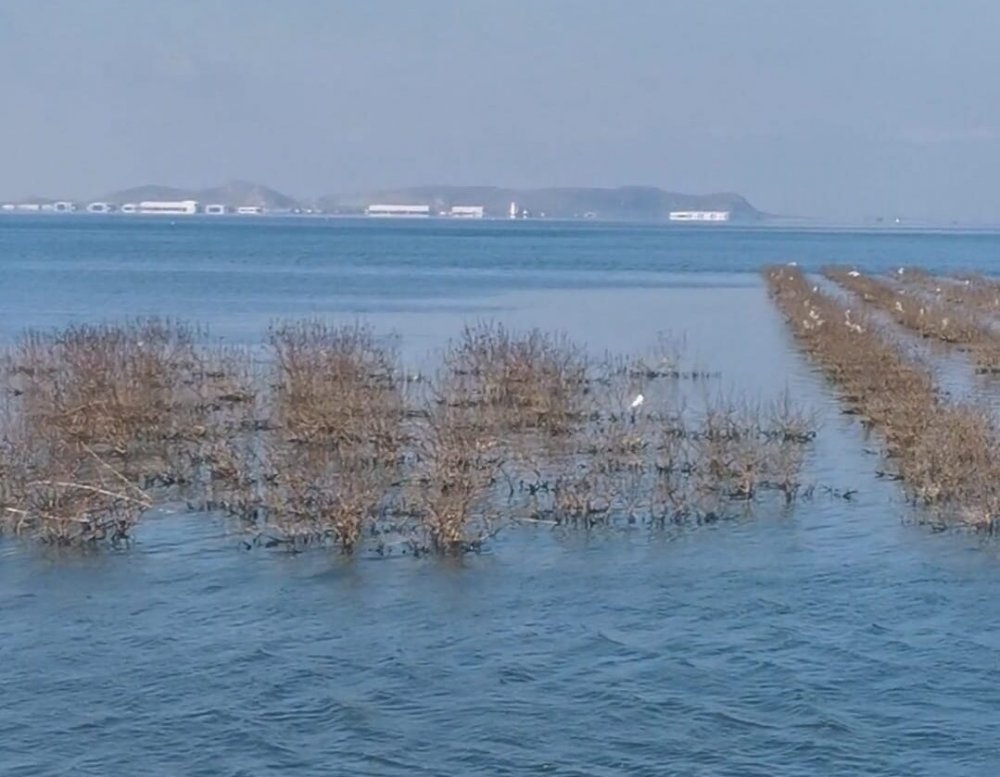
point(835, 638)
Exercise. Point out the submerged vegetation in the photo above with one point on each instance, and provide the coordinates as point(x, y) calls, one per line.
point(931, 315)
point(321, 438)
point(946, 453)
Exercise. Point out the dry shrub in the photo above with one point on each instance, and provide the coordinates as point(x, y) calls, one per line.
point(103, 412)
point(315, 493)
point(457, 467)
point(745, 447)
point(974, 291)
point(318, 467)
point(946, 454)
point(934, 316)
point(76, 502)
point(106, 385)
point(315, 441)
point(518, 382)
point(338, 385)
point(673, 465)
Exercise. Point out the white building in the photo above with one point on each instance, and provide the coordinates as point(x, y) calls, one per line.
point(63, 207)
point(513, 210)
point(399, 211)
point(7, 206)
point(129, 207)
point(167, 208)
point(100, 207)
point(467, 211)
point(250, 210)
point(215, 210)
point(699, 215)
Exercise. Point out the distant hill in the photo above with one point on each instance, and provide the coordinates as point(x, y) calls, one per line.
point(233, 194)
point(627, 203)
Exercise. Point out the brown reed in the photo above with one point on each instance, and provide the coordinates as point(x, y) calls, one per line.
point(943, 319)
point(317, 441)
point(945, 453)
point(518, 382)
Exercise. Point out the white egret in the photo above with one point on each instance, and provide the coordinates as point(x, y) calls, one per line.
point(639, 399)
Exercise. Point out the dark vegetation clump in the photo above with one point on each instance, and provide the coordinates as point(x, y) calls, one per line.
point(946, 453)
point(98, 417)
point(320, 438)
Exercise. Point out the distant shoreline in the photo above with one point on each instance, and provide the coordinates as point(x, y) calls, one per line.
point(767, 225)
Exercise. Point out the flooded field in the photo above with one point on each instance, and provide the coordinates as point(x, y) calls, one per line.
point(850, 629)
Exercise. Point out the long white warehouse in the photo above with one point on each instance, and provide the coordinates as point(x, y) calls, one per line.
point(167, 208)
point(699, 215)
point(467, 211)
point(405, 211)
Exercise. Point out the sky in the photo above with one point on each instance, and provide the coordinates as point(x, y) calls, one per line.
point(844, 110)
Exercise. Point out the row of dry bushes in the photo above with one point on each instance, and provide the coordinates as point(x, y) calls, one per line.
point(932, 316)
point(322, 438)
point(974, 292)
point(947, 454)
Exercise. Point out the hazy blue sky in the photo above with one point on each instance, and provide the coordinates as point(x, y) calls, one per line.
point(842, 108)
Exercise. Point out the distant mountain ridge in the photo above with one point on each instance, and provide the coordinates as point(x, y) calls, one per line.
point(234, 194)
point(621, 203)
point(624, 203)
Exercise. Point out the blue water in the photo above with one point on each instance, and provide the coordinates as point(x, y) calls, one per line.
point(235, 274)
point(834, 638)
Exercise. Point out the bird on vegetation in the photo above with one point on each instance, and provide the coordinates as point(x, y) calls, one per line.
point(850, 324)
point(639, 399)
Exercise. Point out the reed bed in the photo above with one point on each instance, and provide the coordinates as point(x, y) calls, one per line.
point(974, 292)
point(945, 453)
point(320, 439)
point(932, 317)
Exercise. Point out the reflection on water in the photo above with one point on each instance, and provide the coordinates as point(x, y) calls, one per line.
point(835, 638)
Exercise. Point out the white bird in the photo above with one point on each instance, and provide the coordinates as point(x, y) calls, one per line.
point(639, 399)
point(901, 270)
point(854, 273)
point(793, 264)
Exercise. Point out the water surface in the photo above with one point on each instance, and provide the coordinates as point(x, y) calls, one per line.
point(834, 638)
